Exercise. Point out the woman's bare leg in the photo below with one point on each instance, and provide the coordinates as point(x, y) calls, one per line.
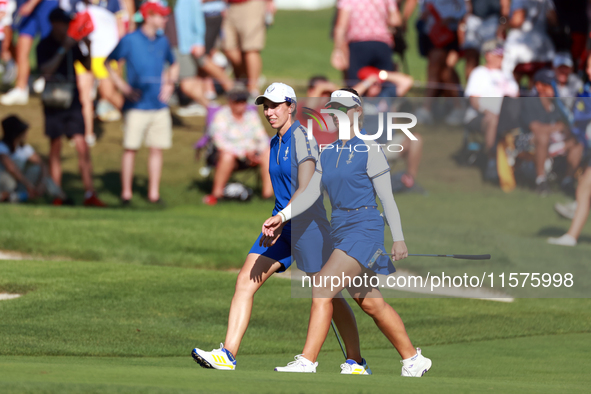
point(255, 271)
point(370, 299)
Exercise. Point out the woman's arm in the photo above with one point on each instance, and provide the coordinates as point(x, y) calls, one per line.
point(13, 170)
point(383, 187)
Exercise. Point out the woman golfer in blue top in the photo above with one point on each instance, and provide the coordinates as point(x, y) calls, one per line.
point(292, 164)
point(352, 171)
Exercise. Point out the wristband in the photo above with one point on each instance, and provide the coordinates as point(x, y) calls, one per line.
point(283, 218)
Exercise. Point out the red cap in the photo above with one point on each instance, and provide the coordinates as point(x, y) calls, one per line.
point(154, 7)
point(367, 72)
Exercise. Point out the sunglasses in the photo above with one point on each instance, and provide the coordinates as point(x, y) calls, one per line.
point(342, 109)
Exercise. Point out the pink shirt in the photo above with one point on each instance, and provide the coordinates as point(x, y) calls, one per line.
point(368, 20)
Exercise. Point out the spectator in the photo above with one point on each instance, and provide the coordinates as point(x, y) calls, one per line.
point(527, 40)
point(241, 142)
point(574, 21)
point(244, 38)
point(56, 54)
point(108, 28)
point(567, 83)
point(319, 88)
point(438, 40)
point(383, 83)
point(147, 90)
point(486, 87)
point(379, 88)
point(578, 210)
point(23, 175)
point(32, 18)
point(362, 36)
point(7, 8)
point(582, 210)
point(480, 25)
point(546, 123)
point(193, 55)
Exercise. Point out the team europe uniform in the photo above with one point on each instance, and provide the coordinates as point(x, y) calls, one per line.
point(357, 226)
point(306, 239)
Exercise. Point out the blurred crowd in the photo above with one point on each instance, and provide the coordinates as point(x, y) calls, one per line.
point(523, 106)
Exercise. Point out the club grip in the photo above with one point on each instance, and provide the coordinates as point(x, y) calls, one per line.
point(472, 256)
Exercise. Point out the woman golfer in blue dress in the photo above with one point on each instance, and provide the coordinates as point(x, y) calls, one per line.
point(292, 164)
point(352, 171)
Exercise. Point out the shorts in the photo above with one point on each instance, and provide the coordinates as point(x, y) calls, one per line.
point(479, 31)
point(38, 21)
point(244, 26)
point(213, 27)
point(68, 122)
point(152, 127)
point(97, 66)
point(368, 53)
point(310, 247)
point(187, 63)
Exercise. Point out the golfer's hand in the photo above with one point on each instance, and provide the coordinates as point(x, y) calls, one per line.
point(399, 251)
point(271, 231)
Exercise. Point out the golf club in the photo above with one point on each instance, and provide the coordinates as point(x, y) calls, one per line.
point(379, 253)
point(338, 339)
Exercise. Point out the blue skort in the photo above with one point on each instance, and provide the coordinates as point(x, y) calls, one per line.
point(360, 234)
point(309, 245)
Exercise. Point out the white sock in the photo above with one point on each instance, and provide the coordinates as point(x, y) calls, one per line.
point(540, 179)
point(88, 194)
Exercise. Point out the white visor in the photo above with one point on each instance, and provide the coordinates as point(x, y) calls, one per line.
point(344, 98)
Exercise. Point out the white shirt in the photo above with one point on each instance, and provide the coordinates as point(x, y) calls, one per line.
point(490, 85)
point(20, 156)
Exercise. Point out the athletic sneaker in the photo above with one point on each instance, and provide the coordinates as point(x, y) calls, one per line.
point(94, 201)
point(16, 96)
point(565, 240)
point(415, 366)
point(300, 364)
point(350, 367)
point(566, 210)
point(216, 359)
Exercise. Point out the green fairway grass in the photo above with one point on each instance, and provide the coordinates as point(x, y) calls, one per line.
point(105, 327)
point(519, 365)
point(113, 300)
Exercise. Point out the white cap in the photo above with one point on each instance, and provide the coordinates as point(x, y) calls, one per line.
point(562, 59)
point(345, 98)
point(277, 92)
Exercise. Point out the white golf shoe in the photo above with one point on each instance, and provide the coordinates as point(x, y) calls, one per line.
point(416, 366)
point(351, 367)
point(216, 359)
point(565, 240)
point(299, 365)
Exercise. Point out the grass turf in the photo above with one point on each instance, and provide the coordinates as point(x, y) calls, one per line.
point(123, 328)
point(118, 321)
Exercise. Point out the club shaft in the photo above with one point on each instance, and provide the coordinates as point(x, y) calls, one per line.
point(338, 339)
